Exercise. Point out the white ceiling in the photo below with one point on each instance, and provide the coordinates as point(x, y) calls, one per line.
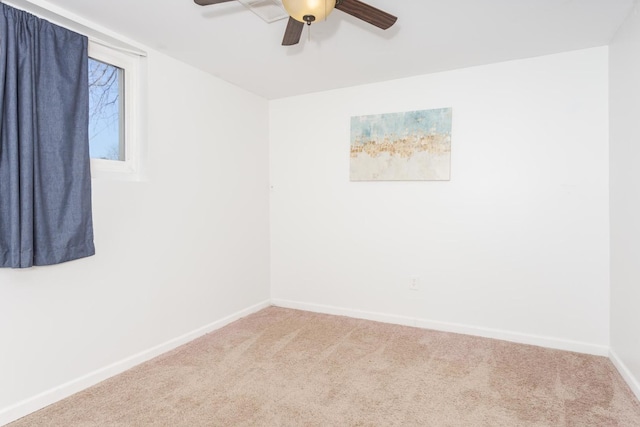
point(230, 42)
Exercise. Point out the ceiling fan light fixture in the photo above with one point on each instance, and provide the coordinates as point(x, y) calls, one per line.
point(308, 11)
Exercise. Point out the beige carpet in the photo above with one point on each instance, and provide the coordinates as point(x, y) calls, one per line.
point(283, 367)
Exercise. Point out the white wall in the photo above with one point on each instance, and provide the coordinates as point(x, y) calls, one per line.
point(625, 199)
point(514, 246)
point(179, 252)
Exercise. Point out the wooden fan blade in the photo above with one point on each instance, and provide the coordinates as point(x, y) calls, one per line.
point(367, 13)
point(293, 32)
point(208, 2)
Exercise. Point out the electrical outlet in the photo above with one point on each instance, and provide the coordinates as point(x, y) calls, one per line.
point(414, 283)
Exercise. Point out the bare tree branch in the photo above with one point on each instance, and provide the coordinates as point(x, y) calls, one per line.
point(104, 101)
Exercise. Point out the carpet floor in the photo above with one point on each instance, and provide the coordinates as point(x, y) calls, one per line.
point(282, 367)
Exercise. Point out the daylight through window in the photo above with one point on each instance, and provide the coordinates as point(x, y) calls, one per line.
point(106, 111)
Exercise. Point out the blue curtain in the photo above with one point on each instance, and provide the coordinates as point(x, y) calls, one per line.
point(45, 181)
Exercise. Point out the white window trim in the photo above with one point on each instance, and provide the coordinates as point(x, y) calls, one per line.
point(130, 168)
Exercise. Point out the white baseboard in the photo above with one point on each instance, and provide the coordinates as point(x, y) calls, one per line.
point(630, 379)
point(62, 391)
point(541, 341)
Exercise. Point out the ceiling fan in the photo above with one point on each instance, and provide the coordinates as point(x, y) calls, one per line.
point(306, 11)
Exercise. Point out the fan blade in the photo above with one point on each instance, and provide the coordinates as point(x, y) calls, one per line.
point(367, 13)
point(208, 2)
point(293, 32)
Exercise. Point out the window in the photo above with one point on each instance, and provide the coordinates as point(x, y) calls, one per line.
point(106, 105)
point(113, 106)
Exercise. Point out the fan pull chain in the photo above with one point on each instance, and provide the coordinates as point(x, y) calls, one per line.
point(309, 19)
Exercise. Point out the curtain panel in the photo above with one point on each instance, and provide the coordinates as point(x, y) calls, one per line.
point(45, 181)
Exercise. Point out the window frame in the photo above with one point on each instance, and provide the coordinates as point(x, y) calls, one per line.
point(129, 168)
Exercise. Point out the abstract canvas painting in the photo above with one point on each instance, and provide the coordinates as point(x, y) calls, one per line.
point(409, 146)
